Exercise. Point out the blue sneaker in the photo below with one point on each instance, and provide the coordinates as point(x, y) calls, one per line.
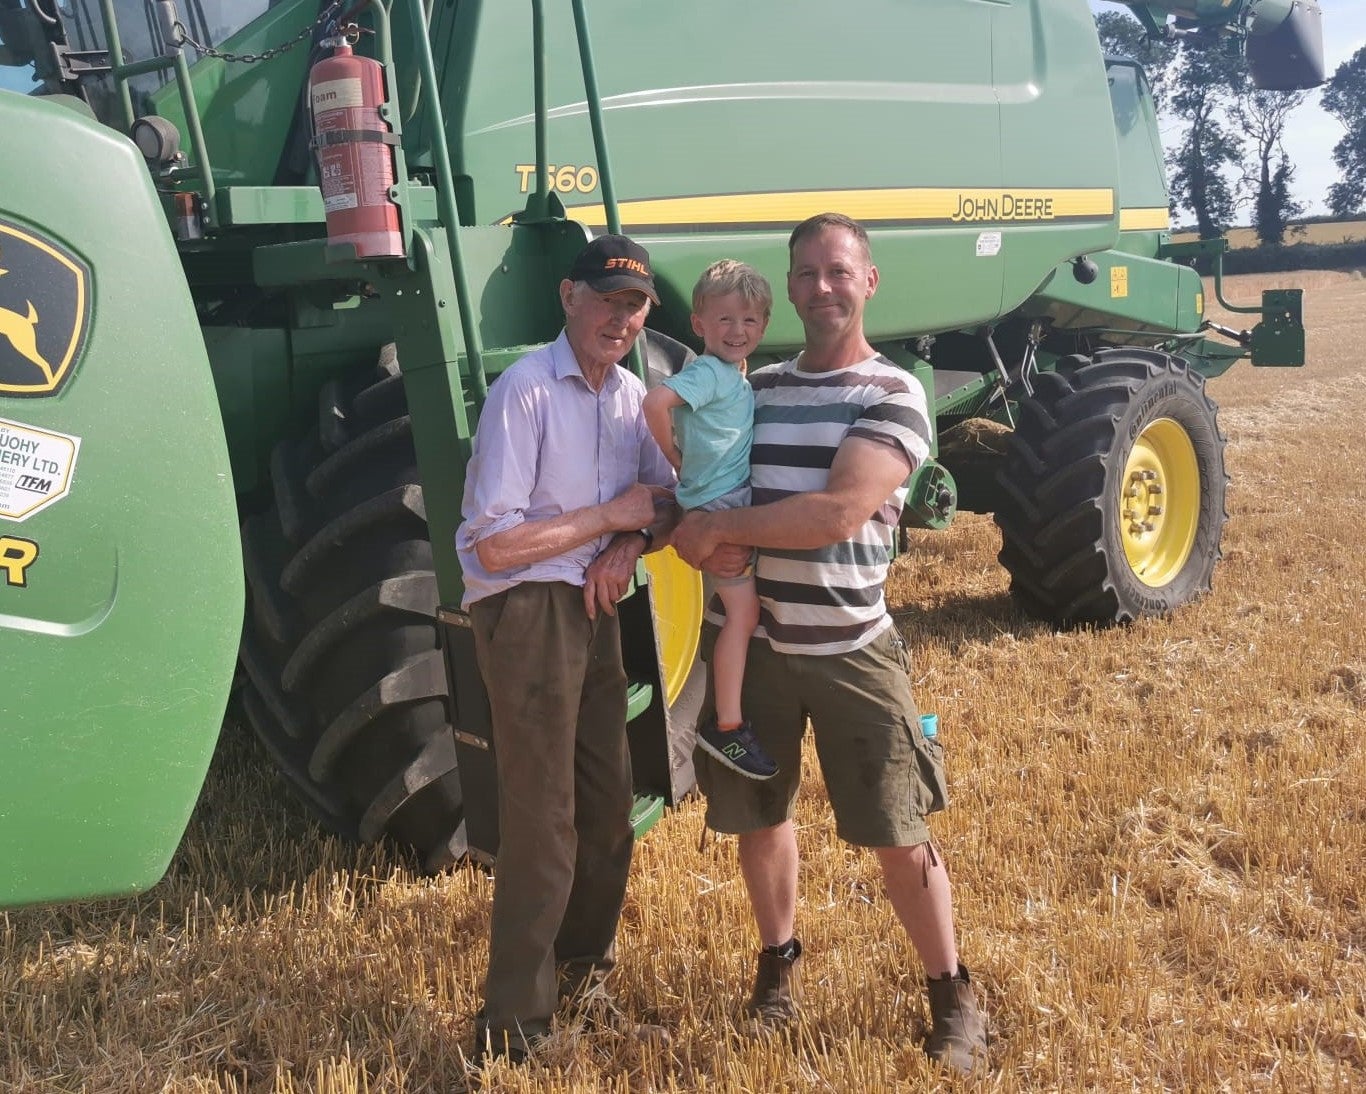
point(737, 749)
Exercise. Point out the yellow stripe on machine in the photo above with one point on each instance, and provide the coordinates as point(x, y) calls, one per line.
point(911, 205)
point(1144, 220)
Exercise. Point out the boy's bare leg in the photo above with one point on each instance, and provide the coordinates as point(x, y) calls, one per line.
point(732, 647)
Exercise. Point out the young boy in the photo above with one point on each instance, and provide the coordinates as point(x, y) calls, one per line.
point(710, 407)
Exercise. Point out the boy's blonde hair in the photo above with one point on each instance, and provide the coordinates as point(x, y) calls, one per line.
point(729, 276)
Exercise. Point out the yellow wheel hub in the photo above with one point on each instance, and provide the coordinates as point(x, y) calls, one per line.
point(678, 617)
point(1159, 502)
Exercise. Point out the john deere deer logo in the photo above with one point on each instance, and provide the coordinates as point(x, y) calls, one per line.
point(44, 313)
point(22, 332)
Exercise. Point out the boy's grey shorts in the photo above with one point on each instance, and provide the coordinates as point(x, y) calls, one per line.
point(733, 499)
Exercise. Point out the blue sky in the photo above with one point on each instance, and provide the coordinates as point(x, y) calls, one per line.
point(1312, 132)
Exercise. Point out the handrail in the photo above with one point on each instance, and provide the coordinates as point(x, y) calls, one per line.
point(445, 198)
point(609, 195)
point(539, 205)
point(173, 58)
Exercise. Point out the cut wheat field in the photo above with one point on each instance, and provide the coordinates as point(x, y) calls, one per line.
point(1321, 231)
point(1156, 840)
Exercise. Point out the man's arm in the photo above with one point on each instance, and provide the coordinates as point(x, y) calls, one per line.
point(862, 477)
point(609, 575)
point(535, 540)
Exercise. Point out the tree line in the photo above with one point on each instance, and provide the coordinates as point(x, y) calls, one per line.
point(1231, 152)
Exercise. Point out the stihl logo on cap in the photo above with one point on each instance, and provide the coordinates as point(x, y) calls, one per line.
point(627, 264)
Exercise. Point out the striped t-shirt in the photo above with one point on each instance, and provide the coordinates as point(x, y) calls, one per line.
point(829, 600)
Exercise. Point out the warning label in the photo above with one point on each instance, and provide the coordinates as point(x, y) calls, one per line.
point(343, 94)
point(36, 466)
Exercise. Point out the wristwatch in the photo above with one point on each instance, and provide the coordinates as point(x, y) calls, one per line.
point(649, 537)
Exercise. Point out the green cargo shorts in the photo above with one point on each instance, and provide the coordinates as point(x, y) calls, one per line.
point(882, 774)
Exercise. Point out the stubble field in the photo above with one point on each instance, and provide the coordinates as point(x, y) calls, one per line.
point(1156, 841)
point(1321, 232)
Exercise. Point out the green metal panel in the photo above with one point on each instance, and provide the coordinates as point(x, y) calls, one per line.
point(246, 108)
point(741, 146)
point(1057, 136)
point(1130, 293)
point(251, 375)
point(908, 137)
point(118, 648)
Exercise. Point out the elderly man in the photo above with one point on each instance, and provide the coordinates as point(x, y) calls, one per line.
point(837, 432)
point(559, 504)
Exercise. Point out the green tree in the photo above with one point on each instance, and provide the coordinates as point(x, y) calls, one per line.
point(1275, 208)
point(1263, 117)
point(1207, 81)
point(1344, 97)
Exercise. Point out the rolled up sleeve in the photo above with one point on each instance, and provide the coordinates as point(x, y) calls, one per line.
point(502, 471)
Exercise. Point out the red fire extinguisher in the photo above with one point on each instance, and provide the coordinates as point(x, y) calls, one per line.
point(355, 152)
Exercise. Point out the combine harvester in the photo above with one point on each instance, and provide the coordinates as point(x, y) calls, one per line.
point(236, 403)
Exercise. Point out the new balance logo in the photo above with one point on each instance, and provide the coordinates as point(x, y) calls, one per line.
point(735, 750)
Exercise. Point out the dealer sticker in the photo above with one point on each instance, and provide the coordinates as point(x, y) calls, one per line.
point(36, 467)
point(988, 244)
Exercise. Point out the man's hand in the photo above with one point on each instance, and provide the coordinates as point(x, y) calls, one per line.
point(609, 575)
point(633, 508)
point(728, 560)
point(695, 539)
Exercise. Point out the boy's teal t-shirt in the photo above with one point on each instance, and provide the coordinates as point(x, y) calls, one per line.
point(714, 429)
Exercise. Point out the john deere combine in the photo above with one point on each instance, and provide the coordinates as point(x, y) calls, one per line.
point(238, 388)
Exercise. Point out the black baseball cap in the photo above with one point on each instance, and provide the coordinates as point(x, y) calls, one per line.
point(615, 264)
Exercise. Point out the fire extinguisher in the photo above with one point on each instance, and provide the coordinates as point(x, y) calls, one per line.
point(354, 147)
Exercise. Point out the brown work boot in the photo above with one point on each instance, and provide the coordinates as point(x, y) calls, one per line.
point(773, 1003)
point(958, 1038)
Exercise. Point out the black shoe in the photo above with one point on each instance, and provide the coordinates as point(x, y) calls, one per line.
point(493, 1044)
point(738, 749)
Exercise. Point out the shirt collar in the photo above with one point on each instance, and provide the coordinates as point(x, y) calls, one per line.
point(566, 365)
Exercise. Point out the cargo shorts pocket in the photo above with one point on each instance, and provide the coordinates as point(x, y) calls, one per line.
point(929, 758)
point(933, 791)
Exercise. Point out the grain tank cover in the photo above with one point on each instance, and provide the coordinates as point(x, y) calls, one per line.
point(1290, 56)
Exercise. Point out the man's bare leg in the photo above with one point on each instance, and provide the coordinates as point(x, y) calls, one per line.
point(768, 861)
point(918, 886)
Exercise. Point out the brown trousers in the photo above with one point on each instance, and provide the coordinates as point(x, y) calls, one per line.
point(557, 691)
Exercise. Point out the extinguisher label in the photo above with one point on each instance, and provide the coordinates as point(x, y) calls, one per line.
point(337, 95)
point(336, 202)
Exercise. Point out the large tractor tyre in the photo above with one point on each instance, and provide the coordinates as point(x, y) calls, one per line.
point(346, 686)
point(1113, 489)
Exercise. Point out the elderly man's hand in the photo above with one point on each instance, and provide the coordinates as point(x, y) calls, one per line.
point(634, 507)
point(609, 575)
